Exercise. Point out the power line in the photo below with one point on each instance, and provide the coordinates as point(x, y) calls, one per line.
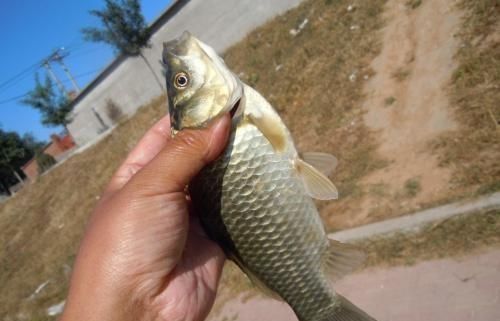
point(8, 100)
point(13, 98)
point(20, 76)
point(25, 73)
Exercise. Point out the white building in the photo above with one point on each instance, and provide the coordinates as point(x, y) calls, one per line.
point(129, 83)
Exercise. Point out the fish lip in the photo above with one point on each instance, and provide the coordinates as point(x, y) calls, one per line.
point(177, 46)
point(233, 111)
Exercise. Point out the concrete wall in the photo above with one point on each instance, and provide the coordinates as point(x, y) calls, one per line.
point(130, 84)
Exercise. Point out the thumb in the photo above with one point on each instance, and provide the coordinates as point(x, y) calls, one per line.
point(181, 159)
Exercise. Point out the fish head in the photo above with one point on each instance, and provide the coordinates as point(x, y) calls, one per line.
point(200, 87)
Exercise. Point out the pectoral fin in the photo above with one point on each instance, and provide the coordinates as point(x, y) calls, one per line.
point(316, 184)
point(325, 163)
point(271, 127)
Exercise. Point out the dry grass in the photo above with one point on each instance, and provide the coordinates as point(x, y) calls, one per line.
point(315, 80)
point(473, 150)
point(312, 88)
point(413, 4)
point(412, 187)
point(389, 101)
point(41, 226)
point(453, 237)
point(400, 74)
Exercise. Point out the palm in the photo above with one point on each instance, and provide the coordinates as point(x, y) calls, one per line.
point(192, 285)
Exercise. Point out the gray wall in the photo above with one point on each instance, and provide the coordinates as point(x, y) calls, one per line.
point(129, 83)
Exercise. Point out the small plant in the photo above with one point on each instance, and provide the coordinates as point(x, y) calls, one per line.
point(413, 4)
point(389, 101)
point(488, 188)
point(113, 111)
point(412, 187)
point(253, 79)
point(379, 189)
point(401, 74)
point(44, 162)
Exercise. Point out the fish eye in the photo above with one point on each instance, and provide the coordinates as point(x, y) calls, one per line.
point(181, 80)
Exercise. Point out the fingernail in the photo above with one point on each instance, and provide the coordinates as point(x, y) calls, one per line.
point(219, 133)
point(221, 123)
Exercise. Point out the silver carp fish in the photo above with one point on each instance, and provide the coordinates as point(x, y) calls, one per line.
point(256, 199)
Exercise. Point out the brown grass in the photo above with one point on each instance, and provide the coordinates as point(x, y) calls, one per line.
point(473, 151)
point(400, 74)
point(453, 237)
point(42, 225)
point(315, 81)
point(306, 78)
point(413, 4)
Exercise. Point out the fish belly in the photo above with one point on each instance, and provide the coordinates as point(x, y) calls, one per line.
point(253, 204)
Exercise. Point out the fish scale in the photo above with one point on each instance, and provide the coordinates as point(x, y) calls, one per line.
point(256, 208)
point(255, 200)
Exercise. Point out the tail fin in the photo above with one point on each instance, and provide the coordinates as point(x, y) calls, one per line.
point(346, 311)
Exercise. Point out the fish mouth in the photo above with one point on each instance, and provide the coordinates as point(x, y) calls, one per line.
point(235, 108)
point(178, 46)
point(233, 112)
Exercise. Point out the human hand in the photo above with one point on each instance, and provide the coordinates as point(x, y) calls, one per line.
point(143, 256)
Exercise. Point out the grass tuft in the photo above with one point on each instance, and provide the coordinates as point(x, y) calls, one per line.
point(412, 187)
point(389, 101)
point(473, 151)
point(400, 74)
point(413, 4)
point(452, 237)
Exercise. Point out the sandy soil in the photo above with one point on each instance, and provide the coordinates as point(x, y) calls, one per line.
point(407, 106)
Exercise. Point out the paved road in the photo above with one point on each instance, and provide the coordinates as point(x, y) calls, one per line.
point(466, 289)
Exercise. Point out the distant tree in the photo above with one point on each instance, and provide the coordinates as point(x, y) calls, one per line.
point(31, 143)
point(44, 161)
point(54, 108)
point(14, 153)
point(124, 28)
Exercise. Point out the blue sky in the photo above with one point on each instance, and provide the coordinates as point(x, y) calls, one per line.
point(31, 30)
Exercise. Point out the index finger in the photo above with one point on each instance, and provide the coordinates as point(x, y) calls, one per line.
point(148, 147)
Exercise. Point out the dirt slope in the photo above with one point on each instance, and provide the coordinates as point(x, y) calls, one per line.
point(407, 106)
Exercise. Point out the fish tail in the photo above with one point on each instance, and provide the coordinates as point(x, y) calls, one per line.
point(346, 311)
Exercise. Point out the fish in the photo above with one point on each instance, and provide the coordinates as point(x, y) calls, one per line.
point(256, 199)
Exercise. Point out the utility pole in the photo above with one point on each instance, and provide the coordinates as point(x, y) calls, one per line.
point(58, 56)
point(46, 64)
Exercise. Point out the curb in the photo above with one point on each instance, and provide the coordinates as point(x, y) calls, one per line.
point(416, 220)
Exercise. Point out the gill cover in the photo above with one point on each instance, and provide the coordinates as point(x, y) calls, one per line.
point(200, 87)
